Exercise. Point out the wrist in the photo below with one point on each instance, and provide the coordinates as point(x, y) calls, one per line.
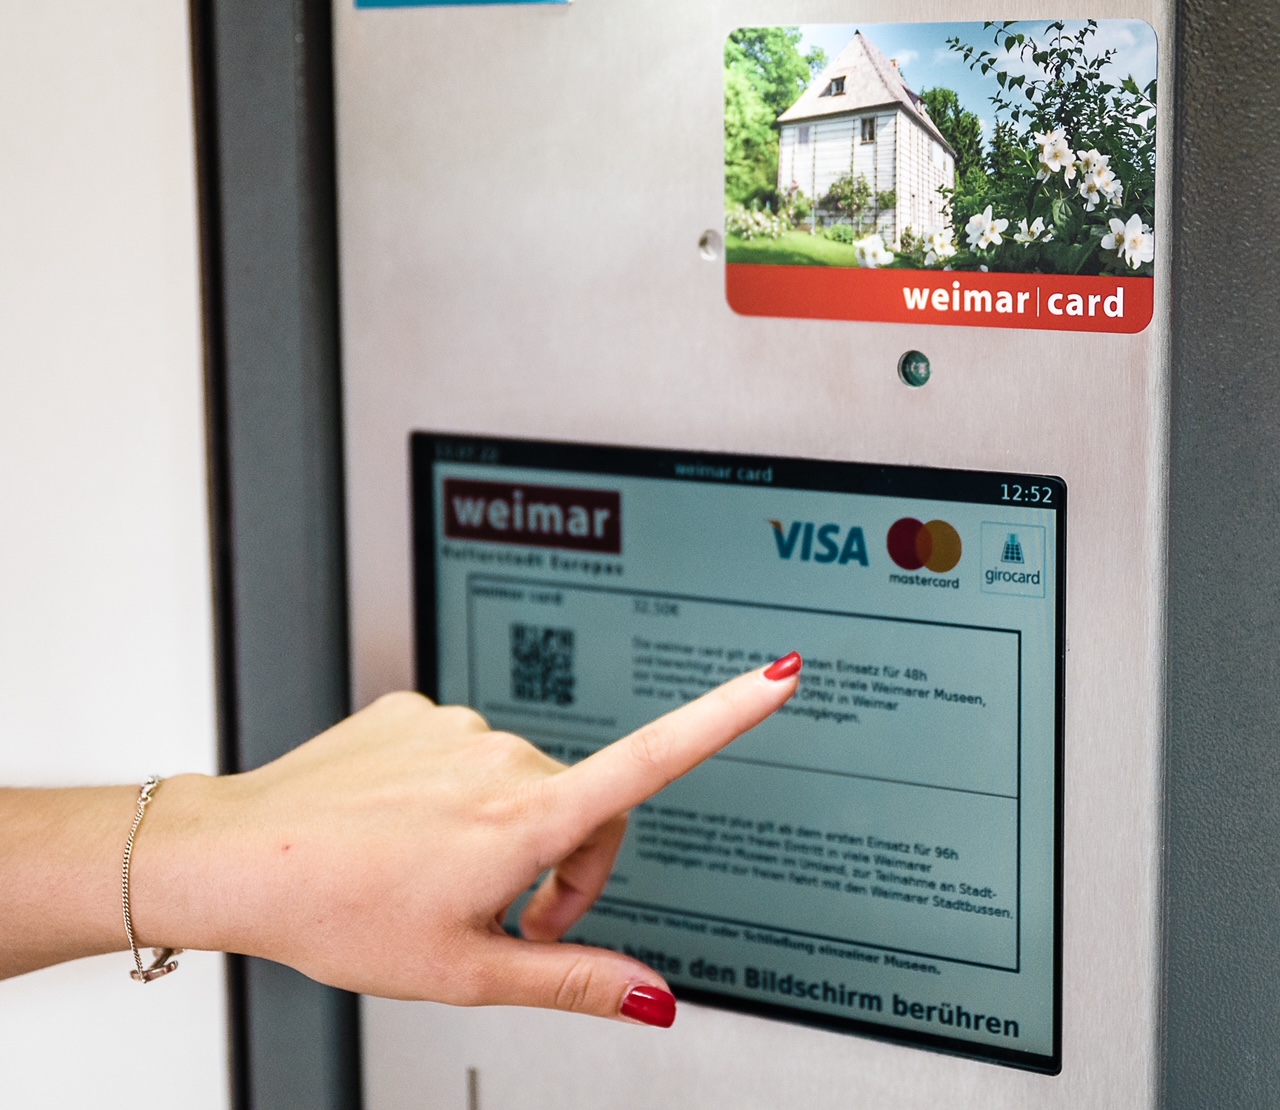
point(183, 877)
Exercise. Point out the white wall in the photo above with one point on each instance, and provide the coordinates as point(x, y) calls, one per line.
point(106, 669)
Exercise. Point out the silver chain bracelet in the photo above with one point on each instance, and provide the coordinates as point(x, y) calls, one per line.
point(162, 963)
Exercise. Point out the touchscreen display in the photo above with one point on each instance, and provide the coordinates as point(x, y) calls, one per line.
point(883, 855)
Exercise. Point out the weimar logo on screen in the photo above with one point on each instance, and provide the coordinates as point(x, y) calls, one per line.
point(534, 516)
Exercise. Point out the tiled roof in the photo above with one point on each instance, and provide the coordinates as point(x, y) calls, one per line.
point(870, 81)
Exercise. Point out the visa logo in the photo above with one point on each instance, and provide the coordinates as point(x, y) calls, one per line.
point(820, 543)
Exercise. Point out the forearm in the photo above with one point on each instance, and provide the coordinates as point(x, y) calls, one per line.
point(60, 871)
point(60, 856)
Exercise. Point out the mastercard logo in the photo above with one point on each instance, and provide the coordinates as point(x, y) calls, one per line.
point(934, 546)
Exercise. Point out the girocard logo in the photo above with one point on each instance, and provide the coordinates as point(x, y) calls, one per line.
point(533, 516)
point(821, 543)
point(935, 546)
point(1013, 559)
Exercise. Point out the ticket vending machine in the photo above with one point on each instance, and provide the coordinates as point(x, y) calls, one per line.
point(662, 352)
point(618, 427)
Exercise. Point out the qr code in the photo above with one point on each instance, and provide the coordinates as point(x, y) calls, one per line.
point(542, 664)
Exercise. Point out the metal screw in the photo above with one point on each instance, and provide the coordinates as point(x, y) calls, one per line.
point(914, 368)
point(710, 245)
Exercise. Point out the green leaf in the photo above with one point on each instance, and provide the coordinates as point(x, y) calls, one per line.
point(1061, 210)
point(1082, 252)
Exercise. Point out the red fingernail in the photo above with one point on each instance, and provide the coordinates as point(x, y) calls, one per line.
point(785, 667)
point(650, 1005)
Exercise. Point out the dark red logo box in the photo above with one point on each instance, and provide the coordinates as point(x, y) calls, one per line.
point(533, 516)
point(1048, 302)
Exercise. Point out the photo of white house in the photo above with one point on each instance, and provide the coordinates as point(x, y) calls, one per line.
point(858, 118)
point(1019, 146)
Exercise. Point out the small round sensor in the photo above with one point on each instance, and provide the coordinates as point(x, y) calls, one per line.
point(914, 369)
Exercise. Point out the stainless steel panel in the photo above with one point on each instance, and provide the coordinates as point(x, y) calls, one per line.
point(521, 195)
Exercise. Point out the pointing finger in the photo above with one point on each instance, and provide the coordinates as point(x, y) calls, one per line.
point(629, 771)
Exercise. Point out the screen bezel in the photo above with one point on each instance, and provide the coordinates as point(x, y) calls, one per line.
point(426, 449)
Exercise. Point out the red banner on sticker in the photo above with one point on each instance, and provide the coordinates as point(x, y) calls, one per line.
point(959, 298)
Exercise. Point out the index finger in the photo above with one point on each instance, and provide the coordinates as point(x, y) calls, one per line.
point(632, 769)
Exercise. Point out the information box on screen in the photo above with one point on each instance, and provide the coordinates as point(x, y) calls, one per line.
point(884, 855)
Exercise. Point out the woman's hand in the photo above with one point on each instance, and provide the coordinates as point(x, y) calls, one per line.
point(383, 855)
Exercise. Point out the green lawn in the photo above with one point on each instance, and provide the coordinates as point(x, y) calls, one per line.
point(795, 248)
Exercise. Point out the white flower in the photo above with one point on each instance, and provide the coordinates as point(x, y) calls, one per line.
point(983, 231)
point(750, 224)
point(1036, 233)
point(1132, 241)
point(1090, 160)
point(939, 246)
point(872, 253)
point(1098, 185)
point(1055, 155)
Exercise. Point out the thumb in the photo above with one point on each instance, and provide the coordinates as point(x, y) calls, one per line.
point(577, 979)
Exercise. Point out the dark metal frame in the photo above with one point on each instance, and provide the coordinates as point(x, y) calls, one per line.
point(1221, 993)
point(264, 115)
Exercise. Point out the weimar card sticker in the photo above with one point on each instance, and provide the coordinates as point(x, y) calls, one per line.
point(974, 174)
